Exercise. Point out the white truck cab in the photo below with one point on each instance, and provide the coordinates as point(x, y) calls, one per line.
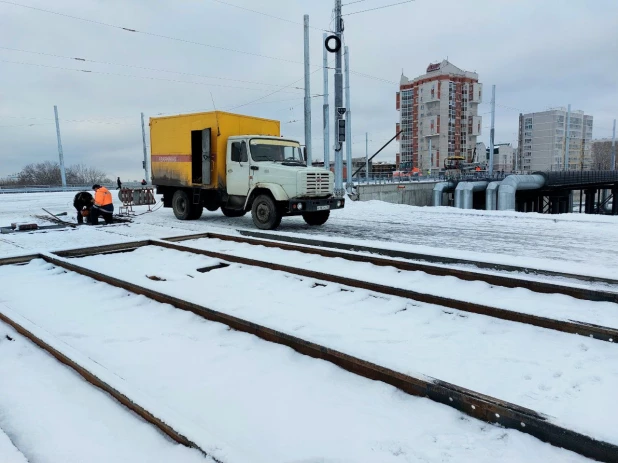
point(270, 177)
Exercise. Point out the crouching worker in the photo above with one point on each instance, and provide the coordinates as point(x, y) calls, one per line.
point(102, 205)
point(82, 204)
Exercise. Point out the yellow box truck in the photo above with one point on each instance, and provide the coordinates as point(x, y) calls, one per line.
point(239, 164)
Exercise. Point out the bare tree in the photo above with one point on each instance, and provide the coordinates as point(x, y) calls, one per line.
point(602, 155)
point(42, 173)
point(48, 173)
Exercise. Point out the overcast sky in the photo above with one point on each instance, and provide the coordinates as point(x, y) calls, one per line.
point(539, 54)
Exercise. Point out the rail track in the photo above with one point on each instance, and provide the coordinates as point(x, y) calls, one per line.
point(481, 406)
point(56, 350)
point(433, 259)
point(567, 326)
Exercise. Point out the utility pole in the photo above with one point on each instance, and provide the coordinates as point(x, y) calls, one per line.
point(490, 169)
point(348, 122)
point(568, 139)
point(367, 156)
point(60, 153)
point(325, 108)
point(430, 155)
point(307, 93)
point(145, 162)
point(339, 191)
point(613, 165)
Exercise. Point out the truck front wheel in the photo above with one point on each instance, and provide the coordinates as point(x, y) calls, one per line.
point(181, 205)
point(316, 218)
point(265, 214)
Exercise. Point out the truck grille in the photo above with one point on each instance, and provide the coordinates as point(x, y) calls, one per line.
point(318, 183)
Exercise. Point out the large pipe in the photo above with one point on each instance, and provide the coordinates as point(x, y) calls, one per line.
point(513, 183)
point(439, 190)
point(464, 193)
point(491, 196)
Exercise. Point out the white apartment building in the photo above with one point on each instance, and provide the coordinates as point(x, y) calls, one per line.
point(504, 156)
point(543, 141)
point(439, 108)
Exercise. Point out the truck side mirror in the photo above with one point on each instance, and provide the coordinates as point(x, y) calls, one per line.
point(305, 153)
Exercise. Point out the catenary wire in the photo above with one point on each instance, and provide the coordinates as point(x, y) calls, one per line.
point(140, 67)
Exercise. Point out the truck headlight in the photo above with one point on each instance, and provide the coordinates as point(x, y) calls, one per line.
point(300, 206)
point(338, 203)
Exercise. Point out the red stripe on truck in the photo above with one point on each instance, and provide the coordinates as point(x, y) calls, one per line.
point(171, 158)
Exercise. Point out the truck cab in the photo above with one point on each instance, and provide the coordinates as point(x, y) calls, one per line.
point(269, 176)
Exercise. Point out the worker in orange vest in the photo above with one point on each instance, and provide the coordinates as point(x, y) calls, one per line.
point(478, 168)
point(102, 205)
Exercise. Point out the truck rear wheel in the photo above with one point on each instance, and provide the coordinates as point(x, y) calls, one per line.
point(181, 205)
point(316, 218)
point(265, 214)
point(233, 212)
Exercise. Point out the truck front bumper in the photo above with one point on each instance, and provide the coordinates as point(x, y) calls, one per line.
point(298, 206)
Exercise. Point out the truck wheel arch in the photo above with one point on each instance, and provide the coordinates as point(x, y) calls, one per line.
point(272, 189)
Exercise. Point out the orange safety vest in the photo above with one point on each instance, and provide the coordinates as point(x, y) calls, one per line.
point(102, 197)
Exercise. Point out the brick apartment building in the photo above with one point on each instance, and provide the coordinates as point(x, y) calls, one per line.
point(440, 106)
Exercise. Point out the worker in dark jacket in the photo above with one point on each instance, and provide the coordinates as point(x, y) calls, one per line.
point(102, 205)
point(119, 183)
point(82, 204)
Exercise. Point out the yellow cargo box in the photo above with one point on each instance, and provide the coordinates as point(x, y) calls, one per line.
point(189, 150)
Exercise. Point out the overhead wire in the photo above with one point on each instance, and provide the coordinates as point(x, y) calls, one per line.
point(377, 8)
point(269, 15)
point(88, 71)
point(152, 34)
point(86, 60)
point(133, 30)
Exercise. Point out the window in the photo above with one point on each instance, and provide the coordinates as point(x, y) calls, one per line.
point(276, 151)
point(239, 152)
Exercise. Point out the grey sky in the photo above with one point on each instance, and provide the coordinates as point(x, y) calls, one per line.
point(539, 54)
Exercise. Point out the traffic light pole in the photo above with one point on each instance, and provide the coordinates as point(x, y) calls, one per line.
point(339, 108)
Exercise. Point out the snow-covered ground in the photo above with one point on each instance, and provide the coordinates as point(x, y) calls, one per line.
point(260, 398)
point(53, 415)
point(8, 451)
point(561, 375)
point(515, 299)
point(279, 406)
point(574, 243)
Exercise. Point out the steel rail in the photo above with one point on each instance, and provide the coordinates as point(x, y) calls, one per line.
point(467, 275)
point(99, 383)
point(415, 256)
point(567, 326)
point(480, 406)
point(598, 332)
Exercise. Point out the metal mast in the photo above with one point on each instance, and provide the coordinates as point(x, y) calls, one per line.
point(307, 93)
point(60, 153)
point(145, 162)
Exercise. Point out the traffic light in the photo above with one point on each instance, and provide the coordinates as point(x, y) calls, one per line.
point(341, 130)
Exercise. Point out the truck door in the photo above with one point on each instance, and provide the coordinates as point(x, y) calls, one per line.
point(238, 169)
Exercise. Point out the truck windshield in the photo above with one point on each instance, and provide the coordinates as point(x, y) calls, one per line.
point(282, 151)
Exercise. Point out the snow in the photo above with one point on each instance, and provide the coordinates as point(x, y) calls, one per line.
point(515, 299)
point(243, 396)
point(54, 416)
point(575, 243)
point(8, 452)
point(260, 398)
point(559, 374)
